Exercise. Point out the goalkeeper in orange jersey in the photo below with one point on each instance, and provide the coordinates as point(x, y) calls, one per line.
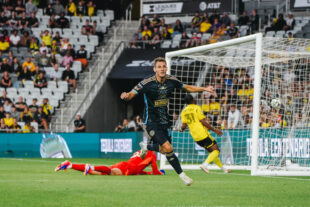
point(134, 166)
point(193, 117)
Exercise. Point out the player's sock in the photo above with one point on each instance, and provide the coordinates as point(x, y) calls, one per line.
point(102, 169)
point(174, 162)
point(218, 162)
point(212, 156)
point(153, 147)
point(79, 167)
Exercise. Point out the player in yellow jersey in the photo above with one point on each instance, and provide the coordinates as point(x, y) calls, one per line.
point(193, 117)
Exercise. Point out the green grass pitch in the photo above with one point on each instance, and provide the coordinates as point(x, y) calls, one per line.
point(33, 182)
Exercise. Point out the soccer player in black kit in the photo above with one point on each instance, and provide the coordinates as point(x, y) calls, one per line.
point(157, 90)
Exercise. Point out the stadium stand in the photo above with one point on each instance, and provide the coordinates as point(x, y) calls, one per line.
point(34, 41)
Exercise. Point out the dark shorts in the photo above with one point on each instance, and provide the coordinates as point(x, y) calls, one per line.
point(159, 133)
point(207, 142)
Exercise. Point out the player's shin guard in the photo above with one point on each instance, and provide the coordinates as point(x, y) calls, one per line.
point(212, 156)
point(79, 167)
point(174, 162)
point(153, 147)
point(103, 169)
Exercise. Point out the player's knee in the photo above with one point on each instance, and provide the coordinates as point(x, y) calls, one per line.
point(165, 148)
point(116, 171)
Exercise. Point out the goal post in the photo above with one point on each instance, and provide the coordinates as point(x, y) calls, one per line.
point(254, 61)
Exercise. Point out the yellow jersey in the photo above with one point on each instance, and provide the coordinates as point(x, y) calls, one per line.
point(26, 129)
point(47, 40)
point(4, 46)
point(215, 108)
point(30, 66)
point(8, 122)
point(205, 26)
point(47, 109)
point(148, 32)
point(265, 125)
point(191, 115)
point(206, 108)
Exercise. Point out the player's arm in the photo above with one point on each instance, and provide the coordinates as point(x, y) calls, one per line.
point(209, 126)
point(193, 89)
point(128, 96)
point(154, 165)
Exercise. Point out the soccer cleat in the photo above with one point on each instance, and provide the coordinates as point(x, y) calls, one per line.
point(63, 166)
point(163, 172)
point(204, 168)
point(144, 150)
point(227, 171)
point(87, 169)
point(187, 180)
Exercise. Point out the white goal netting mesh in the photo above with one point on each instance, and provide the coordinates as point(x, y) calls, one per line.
point(284, 135)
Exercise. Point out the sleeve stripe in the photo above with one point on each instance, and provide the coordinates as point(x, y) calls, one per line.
point(136, 92)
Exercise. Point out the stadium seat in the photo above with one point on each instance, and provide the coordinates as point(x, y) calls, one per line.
point(13, 97)
point(110, 14)
point(58, 93)
point(28, 84)
point(177, 37)
point(95, 18)
point(46, 92)
point(83, 39)
point(1, 90)
point(54, 30)
point(63, 85)
point(35, 92)
point(93, 39)
point(166, 44)
point(67, 32)
point(100, 12)
point(52, 85)
point(21, 124)
point(175, 43)
point(205, 36)
point(54, 102)
point(12, 91)
point(243, 30)
point(270, 34)
point(24, 92)
point(35, 126)
point(84, 18)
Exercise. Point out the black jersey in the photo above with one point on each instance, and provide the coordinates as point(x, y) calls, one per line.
point(156, 98)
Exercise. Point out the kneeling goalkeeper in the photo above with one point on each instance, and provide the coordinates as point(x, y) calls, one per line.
point(193, 117)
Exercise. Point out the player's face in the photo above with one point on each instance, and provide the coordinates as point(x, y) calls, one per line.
point(160, 69)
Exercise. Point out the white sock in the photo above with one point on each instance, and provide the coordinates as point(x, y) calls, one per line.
point(223, 168)
point(205, 164)
point(182, 174)
point(69, 166)
point(92, 167)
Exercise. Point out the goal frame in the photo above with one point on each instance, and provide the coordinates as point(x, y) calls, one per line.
point(258, 39)
point(255, 169)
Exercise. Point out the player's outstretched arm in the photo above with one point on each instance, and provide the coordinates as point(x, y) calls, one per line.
point(209, 126)
point(128, 96)
point(192, 89)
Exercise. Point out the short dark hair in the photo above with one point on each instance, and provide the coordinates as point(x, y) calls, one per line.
point(159, 59)
point(188, 99)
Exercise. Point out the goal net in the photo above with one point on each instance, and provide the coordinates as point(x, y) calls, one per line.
point(267, 132)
